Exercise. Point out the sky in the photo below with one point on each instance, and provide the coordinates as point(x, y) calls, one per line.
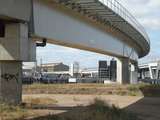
point(147, 12)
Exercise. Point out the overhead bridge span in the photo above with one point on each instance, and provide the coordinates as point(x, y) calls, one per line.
point(102, 26)
point(99, 26)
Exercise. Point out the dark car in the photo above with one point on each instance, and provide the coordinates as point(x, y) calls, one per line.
point(54, 78)
point(47, 79)
point(27, 80)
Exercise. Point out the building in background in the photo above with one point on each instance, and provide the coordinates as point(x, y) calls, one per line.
point(150, 70)
point(89, 72)
point(106, 71)
point(74, 69)
point(30, 73)
point(113, 70)
point(28, 68)
point(103, 69)
point(54, 67)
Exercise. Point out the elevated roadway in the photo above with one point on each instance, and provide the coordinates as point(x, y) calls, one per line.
point(102, 26)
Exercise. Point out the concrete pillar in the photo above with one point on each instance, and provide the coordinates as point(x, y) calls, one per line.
point(134, 73)
point(123, 71)
point(15, 47)
point(10, 81)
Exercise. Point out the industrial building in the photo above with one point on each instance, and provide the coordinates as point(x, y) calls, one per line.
point(150, 70)
point(105, 71)
point(54, 67)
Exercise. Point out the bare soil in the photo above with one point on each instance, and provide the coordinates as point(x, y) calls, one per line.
point(147, 108)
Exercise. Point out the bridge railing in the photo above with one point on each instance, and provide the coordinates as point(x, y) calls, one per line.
point(126, 15)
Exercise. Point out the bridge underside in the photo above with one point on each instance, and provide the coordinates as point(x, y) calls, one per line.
point(66, 27)
point(110, 13)
point(52, 20)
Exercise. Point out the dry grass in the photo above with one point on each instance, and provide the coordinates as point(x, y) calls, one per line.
point(39, 101)
point(94, 89)
point(9, 112)
point(76, 99)
point(89, 89)
point(97, 110)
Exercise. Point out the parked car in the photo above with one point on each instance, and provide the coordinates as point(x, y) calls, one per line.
point(49, 78)
point(27, 80)
point(54, 78)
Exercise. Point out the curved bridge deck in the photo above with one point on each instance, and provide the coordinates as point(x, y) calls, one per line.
point(111, 12)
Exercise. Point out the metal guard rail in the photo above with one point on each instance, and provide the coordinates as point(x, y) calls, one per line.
point(125, 14)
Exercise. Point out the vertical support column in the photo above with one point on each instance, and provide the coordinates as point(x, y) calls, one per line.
point(134, 73)
point(150, 71)
point(15, 47)
point(123, 71)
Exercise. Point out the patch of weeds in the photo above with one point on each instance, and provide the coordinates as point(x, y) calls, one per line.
point(35, 101)
point(10, 112)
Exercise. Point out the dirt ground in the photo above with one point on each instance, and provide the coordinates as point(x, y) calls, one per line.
point(147, 108)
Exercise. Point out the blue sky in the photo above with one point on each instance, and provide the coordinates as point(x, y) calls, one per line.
point(147, 12)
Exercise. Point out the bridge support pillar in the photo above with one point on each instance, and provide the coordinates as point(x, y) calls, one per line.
point(123, 71)
point(127, 71)
point(15, 47)
point(134, 73)
point(10, 81)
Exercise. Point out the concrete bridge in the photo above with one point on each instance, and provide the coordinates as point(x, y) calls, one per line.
point(102, 26)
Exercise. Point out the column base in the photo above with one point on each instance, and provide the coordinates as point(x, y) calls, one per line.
point(10, 82)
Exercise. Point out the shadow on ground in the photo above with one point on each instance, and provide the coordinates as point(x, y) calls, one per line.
point(88, 113)
point(147, 108)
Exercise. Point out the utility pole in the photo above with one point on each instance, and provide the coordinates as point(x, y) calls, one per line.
point(41, 61)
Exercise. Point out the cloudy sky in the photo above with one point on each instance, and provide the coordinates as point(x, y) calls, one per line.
point(147, 13)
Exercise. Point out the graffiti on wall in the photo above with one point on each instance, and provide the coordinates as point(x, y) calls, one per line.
point(10, 77)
